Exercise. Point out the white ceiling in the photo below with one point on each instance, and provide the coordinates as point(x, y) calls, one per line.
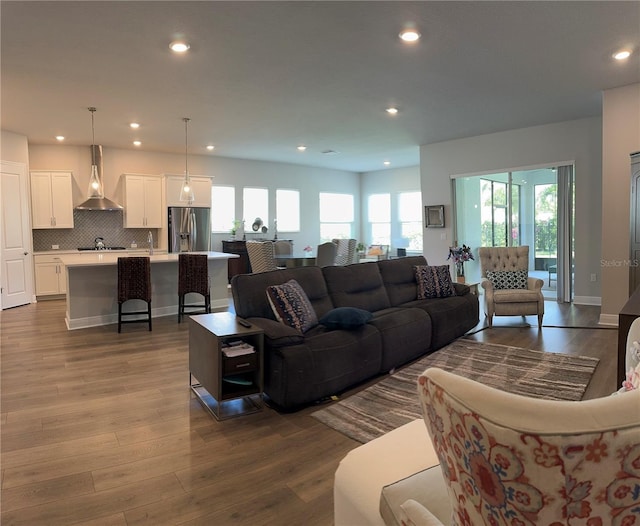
point(263, 77)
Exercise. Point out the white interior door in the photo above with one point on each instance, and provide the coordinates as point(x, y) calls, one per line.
point(16, 259)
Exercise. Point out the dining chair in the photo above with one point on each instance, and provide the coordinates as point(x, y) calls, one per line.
point(326, 254)
point(261, 256)
point(282, 247)
point(346, 252)
point(193, 278)
point(134, 283)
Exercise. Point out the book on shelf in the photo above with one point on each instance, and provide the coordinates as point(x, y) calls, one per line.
point(237, 349)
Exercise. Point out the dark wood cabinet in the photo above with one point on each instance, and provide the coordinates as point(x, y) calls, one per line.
point(239, 265)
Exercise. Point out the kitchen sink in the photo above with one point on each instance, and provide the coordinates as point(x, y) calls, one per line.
point(101, 249)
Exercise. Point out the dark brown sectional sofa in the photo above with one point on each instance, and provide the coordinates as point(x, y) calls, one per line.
point(303, 368)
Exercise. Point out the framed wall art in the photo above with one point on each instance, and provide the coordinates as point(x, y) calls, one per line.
point(434, 216)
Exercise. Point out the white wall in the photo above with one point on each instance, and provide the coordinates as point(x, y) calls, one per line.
point(13, 147)
point(392, 181)
point(620, 137)
point(309, 180)
point(551, 144)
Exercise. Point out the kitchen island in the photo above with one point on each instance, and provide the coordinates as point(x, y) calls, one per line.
point(92, 287)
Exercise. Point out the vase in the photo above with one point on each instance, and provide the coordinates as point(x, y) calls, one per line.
point(460, 272)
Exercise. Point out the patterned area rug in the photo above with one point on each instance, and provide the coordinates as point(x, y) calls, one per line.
point(393, 401)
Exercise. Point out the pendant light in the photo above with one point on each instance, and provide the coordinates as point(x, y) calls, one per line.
point(95, 183)
point(186, 192)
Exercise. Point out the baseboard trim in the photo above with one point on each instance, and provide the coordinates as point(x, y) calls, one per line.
point(608, 319)
point(587, 300)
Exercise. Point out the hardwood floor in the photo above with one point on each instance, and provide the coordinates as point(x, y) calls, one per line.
point(100, 428)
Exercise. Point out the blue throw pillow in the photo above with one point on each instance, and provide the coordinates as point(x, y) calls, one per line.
point(345, 318)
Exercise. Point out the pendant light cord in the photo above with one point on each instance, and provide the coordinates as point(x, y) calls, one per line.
point(93, 138)
point(186, 150)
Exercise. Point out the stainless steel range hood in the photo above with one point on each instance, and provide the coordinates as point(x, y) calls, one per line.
point(97, 200)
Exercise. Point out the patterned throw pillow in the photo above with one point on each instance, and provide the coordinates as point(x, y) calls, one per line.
point(291, 306)
point(508, 279)
point(434, 282)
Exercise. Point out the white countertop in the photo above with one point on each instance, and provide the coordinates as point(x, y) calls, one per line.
point(111, 258)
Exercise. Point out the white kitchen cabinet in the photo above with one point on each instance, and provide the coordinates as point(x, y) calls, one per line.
point(143, 201)
point(51, 199)
point(201, 191)
point(50, 275)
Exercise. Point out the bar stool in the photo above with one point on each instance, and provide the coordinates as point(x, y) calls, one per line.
point(193, 277)
point(134, 283)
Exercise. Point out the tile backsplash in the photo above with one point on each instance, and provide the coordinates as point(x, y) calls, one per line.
point(89, 224)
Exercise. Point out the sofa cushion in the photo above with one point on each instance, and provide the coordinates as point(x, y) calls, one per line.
point(426, 487)
point(399, 278)
point(508, 279)
point(345, 318)
point(291, 306)
point(359, 285)
point(250, 300)
point(434, 282)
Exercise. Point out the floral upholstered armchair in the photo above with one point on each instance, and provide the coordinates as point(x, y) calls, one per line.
point(518, 461)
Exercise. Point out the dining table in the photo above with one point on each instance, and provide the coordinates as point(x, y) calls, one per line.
point(295, 260)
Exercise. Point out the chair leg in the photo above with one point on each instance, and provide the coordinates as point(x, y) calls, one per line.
point(490, 320)
point(207, 302)
point(540, 316)
point(149, 314)
point(180, 307)
point(119, 317)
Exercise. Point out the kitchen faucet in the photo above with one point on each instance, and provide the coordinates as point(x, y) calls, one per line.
point(150, 241)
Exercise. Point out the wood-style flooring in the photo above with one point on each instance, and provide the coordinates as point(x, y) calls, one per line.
point(100, 428)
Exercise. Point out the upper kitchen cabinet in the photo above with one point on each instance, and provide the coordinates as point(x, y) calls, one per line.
point(51, 199)
point(142, 201)
point(201, 191)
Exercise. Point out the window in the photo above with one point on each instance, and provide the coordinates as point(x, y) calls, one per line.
point(223, 208)
point(336, 216)
point(288, 210)
point(379, 216)
point(255, 204)
point(410, 217)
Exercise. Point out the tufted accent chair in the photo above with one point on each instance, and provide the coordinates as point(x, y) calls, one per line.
point(510, 302)
point(508, 459)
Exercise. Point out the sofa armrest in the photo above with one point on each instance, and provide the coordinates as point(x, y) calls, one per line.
point(277, 334)
point(415, 514)
point(461, 289)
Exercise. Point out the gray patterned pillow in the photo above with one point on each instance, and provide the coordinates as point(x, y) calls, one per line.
point(291, 306)
point(508, 279)
point(434, 282)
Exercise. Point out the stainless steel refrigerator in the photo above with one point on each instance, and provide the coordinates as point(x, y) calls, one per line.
point(189, 229)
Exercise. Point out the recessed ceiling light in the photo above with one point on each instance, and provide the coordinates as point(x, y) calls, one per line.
point(134, 125)
point(392, 111)
point(137, 143)
point(302, 148)
point(210, 147)
point(409, 35)
point(386, 163)
point(179, 46)
point(622, 54)
point(60, 138)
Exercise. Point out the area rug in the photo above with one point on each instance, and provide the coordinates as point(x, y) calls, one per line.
point(393, 401)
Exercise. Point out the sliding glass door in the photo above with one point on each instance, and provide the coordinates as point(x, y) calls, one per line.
point(519, 208)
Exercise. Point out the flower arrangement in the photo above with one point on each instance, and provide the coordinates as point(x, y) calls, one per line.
point(459, 255)
point(307, 248)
